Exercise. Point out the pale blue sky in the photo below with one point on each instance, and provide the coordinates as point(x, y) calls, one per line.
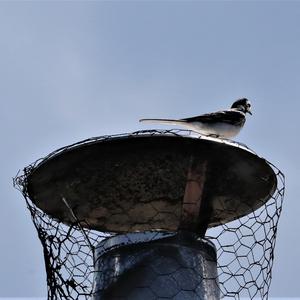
point(72, 70)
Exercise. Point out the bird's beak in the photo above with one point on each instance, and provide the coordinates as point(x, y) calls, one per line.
point(249, 111)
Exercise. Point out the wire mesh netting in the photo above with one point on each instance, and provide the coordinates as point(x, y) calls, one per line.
point(244, 247)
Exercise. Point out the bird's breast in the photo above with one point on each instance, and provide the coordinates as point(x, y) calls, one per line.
point(222, 130)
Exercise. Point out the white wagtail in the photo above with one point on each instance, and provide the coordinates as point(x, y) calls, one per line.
point(223, 124)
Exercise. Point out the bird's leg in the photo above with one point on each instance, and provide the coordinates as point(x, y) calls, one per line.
point(242, 144)
point(213, 135)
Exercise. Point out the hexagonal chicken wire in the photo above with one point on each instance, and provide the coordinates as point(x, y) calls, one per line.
point(244, 241)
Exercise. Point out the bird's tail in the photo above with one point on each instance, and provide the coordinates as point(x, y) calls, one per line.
point(163, 121)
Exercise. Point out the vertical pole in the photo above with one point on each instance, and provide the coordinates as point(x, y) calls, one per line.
point(178, 267)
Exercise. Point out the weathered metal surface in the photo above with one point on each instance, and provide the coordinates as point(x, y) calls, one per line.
point(177, 267)
point(139, 183)
point(193, 194)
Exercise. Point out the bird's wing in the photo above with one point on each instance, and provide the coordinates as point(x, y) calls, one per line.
point(225, 116)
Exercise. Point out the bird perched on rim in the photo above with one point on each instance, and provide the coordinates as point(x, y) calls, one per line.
point(223, 124)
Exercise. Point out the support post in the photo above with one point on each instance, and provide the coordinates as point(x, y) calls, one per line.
point(182, 266)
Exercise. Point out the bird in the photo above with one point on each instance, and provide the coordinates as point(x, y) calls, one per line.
point(224, 124)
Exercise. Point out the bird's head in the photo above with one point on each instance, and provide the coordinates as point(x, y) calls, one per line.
point(242, 105)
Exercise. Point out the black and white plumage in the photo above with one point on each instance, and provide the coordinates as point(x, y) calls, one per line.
point(222, 124)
